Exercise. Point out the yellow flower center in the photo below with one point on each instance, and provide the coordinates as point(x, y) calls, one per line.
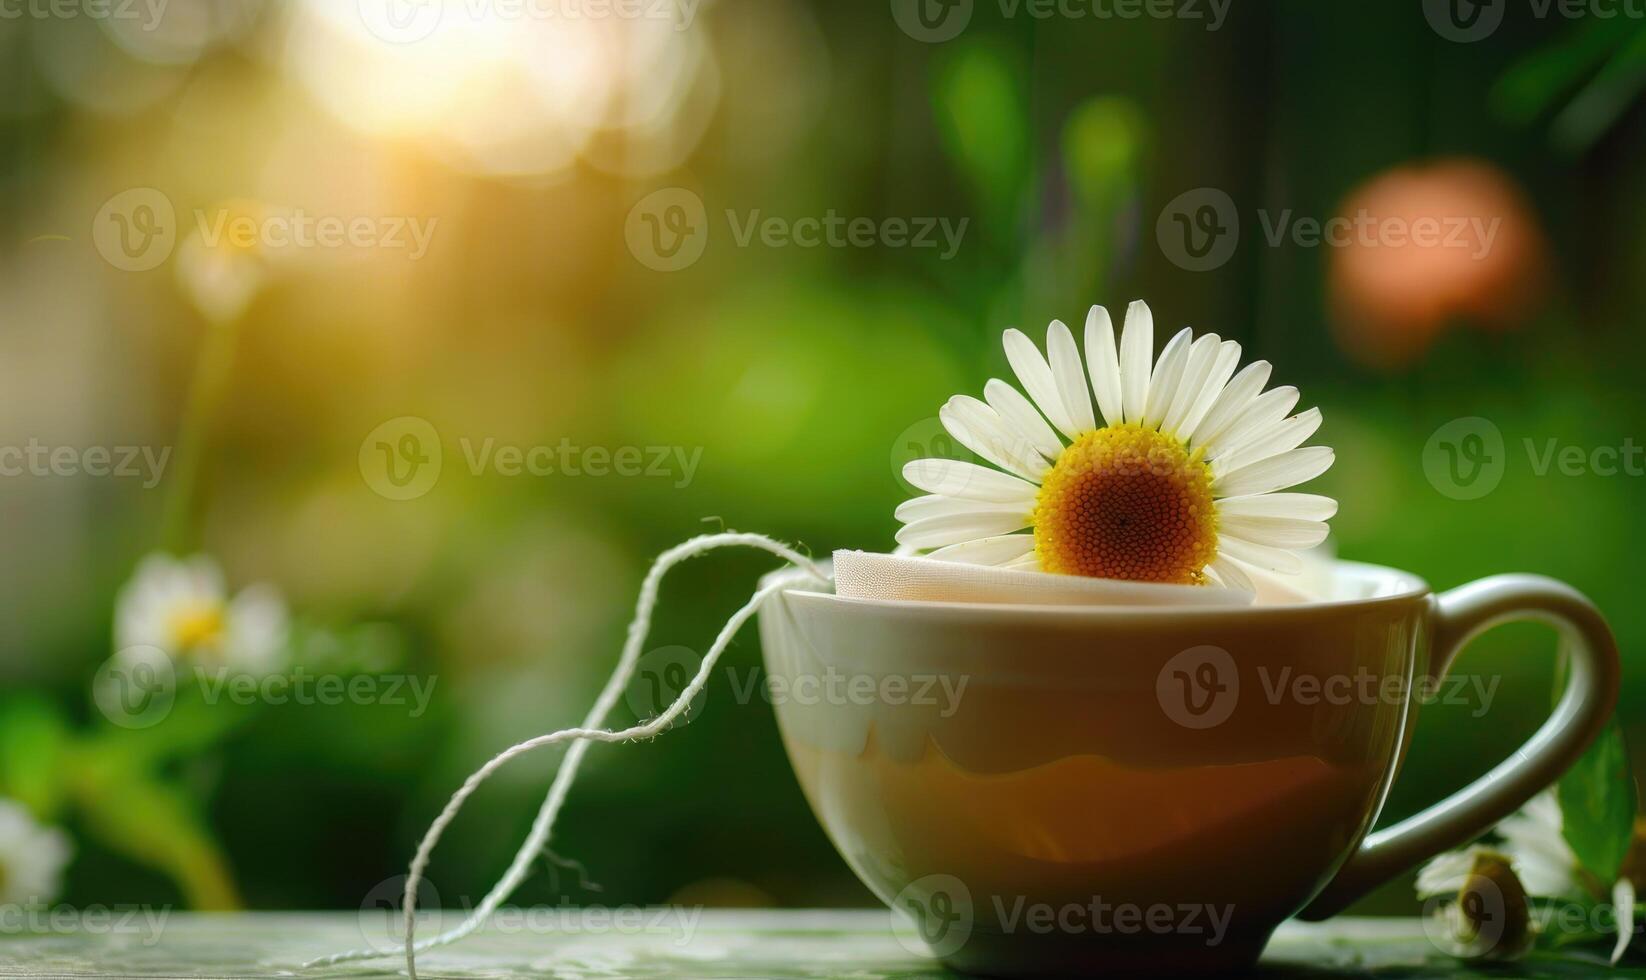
point(197, 628)
point(1127, 502)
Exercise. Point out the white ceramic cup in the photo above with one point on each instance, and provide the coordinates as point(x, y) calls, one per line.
point(1055, 789)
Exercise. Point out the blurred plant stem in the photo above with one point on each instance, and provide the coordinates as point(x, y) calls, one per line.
point(124, 803)
point(211, 374)
point(156, 825)
point(118, 784)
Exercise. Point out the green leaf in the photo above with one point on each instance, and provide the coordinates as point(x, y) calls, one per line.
point(193, 723)
point(1537, 82)
point(1598, 107)
point(1597, 805)
point(33, 736)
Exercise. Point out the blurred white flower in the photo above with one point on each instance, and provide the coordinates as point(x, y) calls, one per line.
point(225, 261)
point(1446, 873)
point(1534, 839)
point(220, 284)
point(32, 857)
point(1538, 858)
point(182, 607)
point(1534, 845)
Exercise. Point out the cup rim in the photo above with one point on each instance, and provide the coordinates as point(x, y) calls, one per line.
point(1412, 587)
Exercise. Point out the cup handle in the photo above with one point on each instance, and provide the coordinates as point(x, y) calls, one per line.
point(1582, 713)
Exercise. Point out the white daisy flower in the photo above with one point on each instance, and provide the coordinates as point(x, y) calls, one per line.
point(1172, 478)
point(32, 857)
point(182, 607)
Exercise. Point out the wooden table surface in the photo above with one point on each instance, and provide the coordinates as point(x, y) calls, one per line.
point(640, 943)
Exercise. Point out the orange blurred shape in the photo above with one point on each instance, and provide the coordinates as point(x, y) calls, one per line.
point(1426, 246)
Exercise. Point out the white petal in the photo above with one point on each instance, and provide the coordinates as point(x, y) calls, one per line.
point(1195, 372)
point(1028, 563)
point(1273, 559)
point(1136, 352)
point(1021, 416)
point(205, 577)
point(1447, 873)
point(1302, 506)
point(1533, 839)
point(1036, 377)
point(947, 529)
point(1070, 376)
point(1276, 532)
point(1234, 400)
point(1104, 365)
point(1223, 367)
point(1267, 409)
point(1274, 473)
point(257, 630)
point(980, 429)
point(956, 478)
point(1623, 907)
point(1000, 549)
point(1232, 574)
point(1281, 437)
point(936, 505)
point(1168, 371)
point(1540, 817)
point(1543, 873)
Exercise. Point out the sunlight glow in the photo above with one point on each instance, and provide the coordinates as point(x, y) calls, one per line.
point(508, 90)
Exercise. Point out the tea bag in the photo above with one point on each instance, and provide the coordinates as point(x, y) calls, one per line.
point(867, 575)
point(903, 575)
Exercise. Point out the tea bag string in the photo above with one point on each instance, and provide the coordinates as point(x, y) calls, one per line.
point(590, 732)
